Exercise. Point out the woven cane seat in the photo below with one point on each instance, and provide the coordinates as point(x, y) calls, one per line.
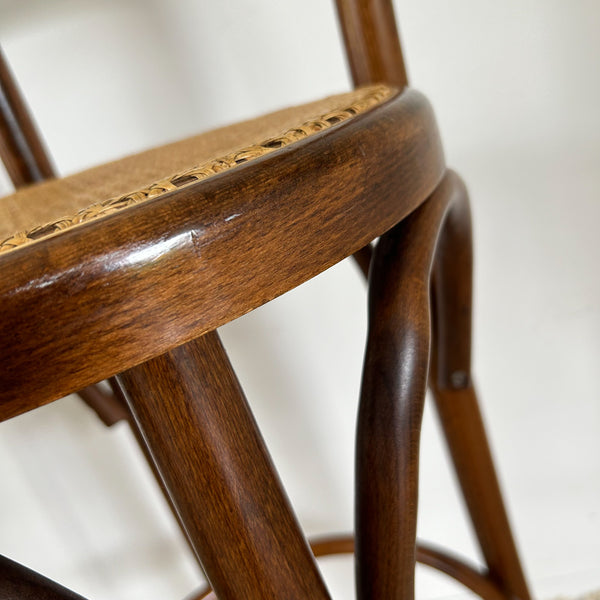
point(47, 208)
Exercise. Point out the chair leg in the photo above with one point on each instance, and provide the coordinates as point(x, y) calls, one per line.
point(456, 401)
point(389, 416)
point(392, 398)
point(107, 406)
point(465, 434)
point(209, 452)
point(20, 583)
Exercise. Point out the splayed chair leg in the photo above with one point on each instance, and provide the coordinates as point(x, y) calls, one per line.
point(390, 410)
point(209, 452)
point(432, 244)
point(456, 401)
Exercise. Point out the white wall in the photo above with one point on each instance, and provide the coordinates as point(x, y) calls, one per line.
point(516, 89)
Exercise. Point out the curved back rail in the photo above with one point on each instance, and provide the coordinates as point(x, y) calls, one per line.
point(104, 296)
point(371, 42)
point(21, 149)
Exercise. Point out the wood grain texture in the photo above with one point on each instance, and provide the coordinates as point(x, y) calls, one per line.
point(125, 414)
point(193, 414)
point(467, 442)
point(391, 405)
point(372, 43)
point(27, 161)
point(374, 55)
point(471, 577)
point(42, 211)
point(130, 289)
point(20, 583)
point(105, 404)
point(21, 148)
point(107, 295)
point(456, 401)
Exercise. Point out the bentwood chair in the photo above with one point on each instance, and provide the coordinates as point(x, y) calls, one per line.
point(126, 271)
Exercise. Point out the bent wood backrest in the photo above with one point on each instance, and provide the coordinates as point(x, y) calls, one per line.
point(371, 41)
point(21, 150)
point(372, 49)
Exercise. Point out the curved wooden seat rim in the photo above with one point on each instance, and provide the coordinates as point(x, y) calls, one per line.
point(100, 298)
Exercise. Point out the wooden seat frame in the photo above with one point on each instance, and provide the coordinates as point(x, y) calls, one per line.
point(138, 296)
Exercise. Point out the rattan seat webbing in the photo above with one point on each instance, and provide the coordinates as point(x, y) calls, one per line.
point(45, 209)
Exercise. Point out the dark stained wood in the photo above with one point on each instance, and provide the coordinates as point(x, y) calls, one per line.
point(391, 404)
point(465, 434)
point(110, 294)
point(451, 281)
point(372, 43)
point(450, 379)
point(374, 55)
point(27, 161)
point(456, 401)
point(207, 447)
point(105, 405)
point(120, 399)
point(20, 583)
point(21, 148)
point(471, 577)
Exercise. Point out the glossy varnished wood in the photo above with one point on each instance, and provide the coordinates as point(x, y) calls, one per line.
point(456, 400)
point(372, 43)
point(391, 404)
point(206, 445)
point(104, 404)
point(467, 442)
point(471, 577)
point(27, 161)
point(131, 288)
point(21, 149)
point(20, 583)
point(106, 295)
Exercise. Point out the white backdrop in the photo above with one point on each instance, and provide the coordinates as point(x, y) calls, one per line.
point(516, 89)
